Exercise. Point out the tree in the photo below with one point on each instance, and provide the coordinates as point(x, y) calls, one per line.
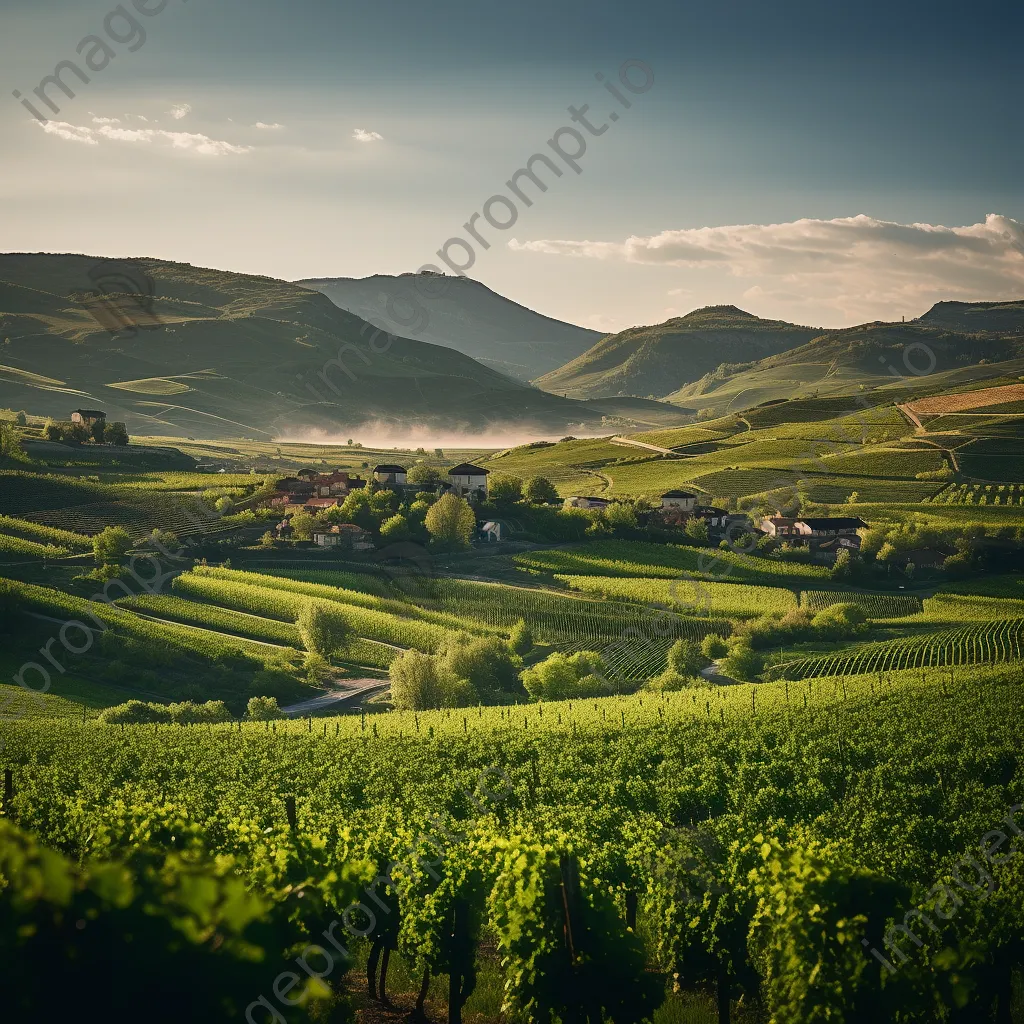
point(841, 567)
point(414, 682)
point(506, 489)
point(852, 498)
point(10, 443)
point(424, 475)
point(697, 530)
point(487, 664)
point(323, 630)
point(96, 429)
point(521, 639)
point(111, 545)
point(395, 529)
point(267, 540)
point(116, 433)
point(303, 524)
point(539, 489)
point(451, 521)
point(620, 517)
point(53, 431)
point(839, 621)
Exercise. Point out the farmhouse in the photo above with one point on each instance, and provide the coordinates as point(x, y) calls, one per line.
point(684, 501)
point(468, 479)
point(583, 501)
point(327, 485)
point(778, 526)
point(343, 535)
point(394, 476)
point(818, 530)
point(87, 417)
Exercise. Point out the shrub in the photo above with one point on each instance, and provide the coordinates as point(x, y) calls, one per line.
point(505, 489)
point(685, 658)
point(263, 709)
point(190, 713)
point(714, 647)
point(564, 677)
point(841, 568)
point(742, 662)
point(697, 530)
point(839, 621)
point(414, 682)
point(135, 712)
point(671, 681)
point(111, 545)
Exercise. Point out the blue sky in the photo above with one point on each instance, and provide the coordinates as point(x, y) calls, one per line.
point(736, 178)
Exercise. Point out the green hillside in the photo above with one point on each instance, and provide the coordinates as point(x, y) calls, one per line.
point(462, 314)
point(217, 355)
point(655, 360)
point(928, 356)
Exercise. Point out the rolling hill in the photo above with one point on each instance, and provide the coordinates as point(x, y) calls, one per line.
point(216, 354)
point(462, 314)
point(891, 362)
point(656, 360)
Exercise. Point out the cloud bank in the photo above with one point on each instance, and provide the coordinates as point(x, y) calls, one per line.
point(360, 135)
point(863, 267)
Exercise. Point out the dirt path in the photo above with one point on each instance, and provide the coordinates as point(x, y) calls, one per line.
point(618, 439)
point(712, 674)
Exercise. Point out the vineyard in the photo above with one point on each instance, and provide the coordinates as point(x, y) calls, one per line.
point(698, 597)
point(876, 606)
point(640, 559)
point(679, 836)
point(987, 642)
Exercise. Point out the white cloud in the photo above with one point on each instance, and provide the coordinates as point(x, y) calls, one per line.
point(178, 140)
point(268, 127)
point(860, 266)
point(360, 135)
point(63, 130)
point(106, 120)
point(180, 110)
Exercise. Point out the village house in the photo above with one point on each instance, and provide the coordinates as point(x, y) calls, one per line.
point(830, 532)
point(317, 504)
point(329, 485)
point(468, 479)
point(390, 475)
point(343, 535)
point(683, 501)
point(87, 417)
point(583, 501)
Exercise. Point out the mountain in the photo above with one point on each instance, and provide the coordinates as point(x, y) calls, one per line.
point(656, 360)
point(462, 314)
point(173, 349)
point(883, 361)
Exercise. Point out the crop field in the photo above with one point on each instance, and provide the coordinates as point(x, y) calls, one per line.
point(677, 437)
point(697, 597)
point(875, 606)
point(993, 458)
point(963, 607)
point(985, 642)
point(667, 561)
point(10, 545)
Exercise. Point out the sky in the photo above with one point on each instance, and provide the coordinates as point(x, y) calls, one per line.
point(827, 164)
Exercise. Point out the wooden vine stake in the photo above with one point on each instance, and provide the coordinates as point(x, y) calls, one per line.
point(289, 810)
